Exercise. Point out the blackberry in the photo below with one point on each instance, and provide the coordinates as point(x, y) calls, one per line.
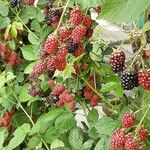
point(129, 80)
point(72, 47)
point(13, 3)
point(55, 15)
point(53, 98)
point(117, 60)
point(48, 19)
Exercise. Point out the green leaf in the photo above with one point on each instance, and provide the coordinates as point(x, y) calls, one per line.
point(85, 4)
point(65, 122)
point(120, 10)
point(4, 9)
point(14, 31)
point(5, 77)
point(106, 125)
point(3, 135)
point(87, 145)
point(35, 25)
point(32, 39)
point(93, 116)
point(75, 139)
point(33, 142)
point(103, 144)
point(29, 68)
point(4, 22)
point(30, 52)
point(23, 94)
point(57, 144)
point(47, 117)
point(19, 136)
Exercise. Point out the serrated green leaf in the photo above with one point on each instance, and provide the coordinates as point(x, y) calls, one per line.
point(30, 52)
point(65, 122)
point(3, 135)
point(29, 68)
point(19, 135)
point(87, 145)
point(106, 125)
point(33, 142)
point(35, 25)
point(103, 144)
point(4, 9)
point(32, 39)
point(57, 144)
point(23, 94)
point(4, 22)
point(75, 139)
point(120, 10)
point(93, 116)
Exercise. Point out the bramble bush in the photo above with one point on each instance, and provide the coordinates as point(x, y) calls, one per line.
point(53, 63)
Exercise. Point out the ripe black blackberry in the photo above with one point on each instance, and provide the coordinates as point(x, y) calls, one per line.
point(72, 47)
point(13, 3)
point(129, 80)
point(53, 98)
point(117, 60)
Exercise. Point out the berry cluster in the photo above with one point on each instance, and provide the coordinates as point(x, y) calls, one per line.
point(117, 60)
point(88, 92)
point(122, 138)
point(8, 56)
point(144, 79)
point(129, 79)
point(6, 121)
point(68, 40)
point(52, 16)
point(13, 3)
point(61, 95)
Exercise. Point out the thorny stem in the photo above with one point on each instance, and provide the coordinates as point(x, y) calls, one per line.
point(61, 18)
point(19, 104)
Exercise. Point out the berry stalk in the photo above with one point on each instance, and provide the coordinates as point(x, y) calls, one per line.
point(61, 18)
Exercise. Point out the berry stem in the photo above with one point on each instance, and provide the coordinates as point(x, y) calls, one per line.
point(61, 18)
point(19, 104)
point(24, 24)
point(135, 57)
point(96, 92)
point(139, 125)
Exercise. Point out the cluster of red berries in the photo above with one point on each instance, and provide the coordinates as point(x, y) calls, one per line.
point(8, 56)
point(61, 95)
point(129, 79)
point(6, 121)
point(123, 139)
point(69, 40)
point(88, 92)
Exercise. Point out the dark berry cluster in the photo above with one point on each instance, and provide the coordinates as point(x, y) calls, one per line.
point(6, 121)
point(61, 95)
point(52, 16)
point(88, 92)
point(8, 56)
point(123, 138)
point(13, 3)
point(129, 80)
